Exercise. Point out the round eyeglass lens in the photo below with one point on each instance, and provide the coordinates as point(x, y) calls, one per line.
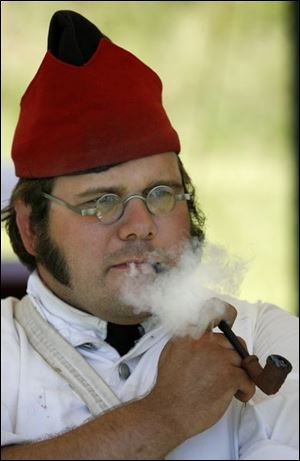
point(161, 200)
point(109, 208)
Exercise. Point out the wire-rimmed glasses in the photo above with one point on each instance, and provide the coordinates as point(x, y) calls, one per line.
point(110, 207)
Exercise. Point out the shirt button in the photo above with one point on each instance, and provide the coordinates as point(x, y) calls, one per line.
point(124, 370)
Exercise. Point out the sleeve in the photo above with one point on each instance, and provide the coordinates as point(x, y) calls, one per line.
point(10, 361)
point(269, 424)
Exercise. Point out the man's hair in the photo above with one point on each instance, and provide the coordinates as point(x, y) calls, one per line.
point(30, 192)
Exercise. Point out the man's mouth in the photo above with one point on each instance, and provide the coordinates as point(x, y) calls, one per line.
point(135, 267)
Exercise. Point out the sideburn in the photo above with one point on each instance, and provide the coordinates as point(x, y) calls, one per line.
point(52, 258)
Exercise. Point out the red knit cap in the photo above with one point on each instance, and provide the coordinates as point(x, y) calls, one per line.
point(76, 117)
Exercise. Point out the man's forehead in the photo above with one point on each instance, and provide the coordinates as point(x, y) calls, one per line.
point(137, 173)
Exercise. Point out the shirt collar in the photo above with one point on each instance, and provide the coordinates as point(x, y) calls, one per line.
point(76, 326)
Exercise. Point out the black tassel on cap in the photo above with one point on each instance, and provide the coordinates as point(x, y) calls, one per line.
point(72, 38)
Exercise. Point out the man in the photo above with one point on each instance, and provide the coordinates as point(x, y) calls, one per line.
point(102, 189)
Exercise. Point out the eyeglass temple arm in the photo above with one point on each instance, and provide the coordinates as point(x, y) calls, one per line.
point(82, 212)
point(183, 197)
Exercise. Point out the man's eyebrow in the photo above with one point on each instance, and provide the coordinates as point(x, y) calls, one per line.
point(96, 191)
point(171, 183)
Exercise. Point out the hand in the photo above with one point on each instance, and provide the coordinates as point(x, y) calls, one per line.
point(197, 380)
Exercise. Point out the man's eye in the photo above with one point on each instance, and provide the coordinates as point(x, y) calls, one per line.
point(109, 199)
point(89, 204)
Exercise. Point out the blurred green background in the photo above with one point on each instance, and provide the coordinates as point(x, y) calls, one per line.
point(227, 69)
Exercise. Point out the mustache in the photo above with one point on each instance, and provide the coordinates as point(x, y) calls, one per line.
point(143, 250)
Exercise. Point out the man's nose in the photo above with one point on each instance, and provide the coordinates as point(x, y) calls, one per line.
point(137, 223)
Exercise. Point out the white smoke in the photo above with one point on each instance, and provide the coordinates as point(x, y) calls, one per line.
point(181, 296)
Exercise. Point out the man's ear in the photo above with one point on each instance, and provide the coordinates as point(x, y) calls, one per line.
point(23, 212)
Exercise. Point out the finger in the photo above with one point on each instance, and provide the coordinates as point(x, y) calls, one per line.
point(246, 387)
point(245, 396)
point(224, 342)
point(234, 358)
point(227, 312)
point(243, 342)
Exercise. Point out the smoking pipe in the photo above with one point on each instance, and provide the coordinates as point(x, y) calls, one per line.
point(270, 378)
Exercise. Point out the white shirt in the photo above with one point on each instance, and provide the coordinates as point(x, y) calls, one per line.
point(38, 403)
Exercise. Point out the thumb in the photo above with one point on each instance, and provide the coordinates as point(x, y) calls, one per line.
point(224, 311)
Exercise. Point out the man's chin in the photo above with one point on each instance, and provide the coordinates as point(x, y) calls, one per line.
point(124, 315)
